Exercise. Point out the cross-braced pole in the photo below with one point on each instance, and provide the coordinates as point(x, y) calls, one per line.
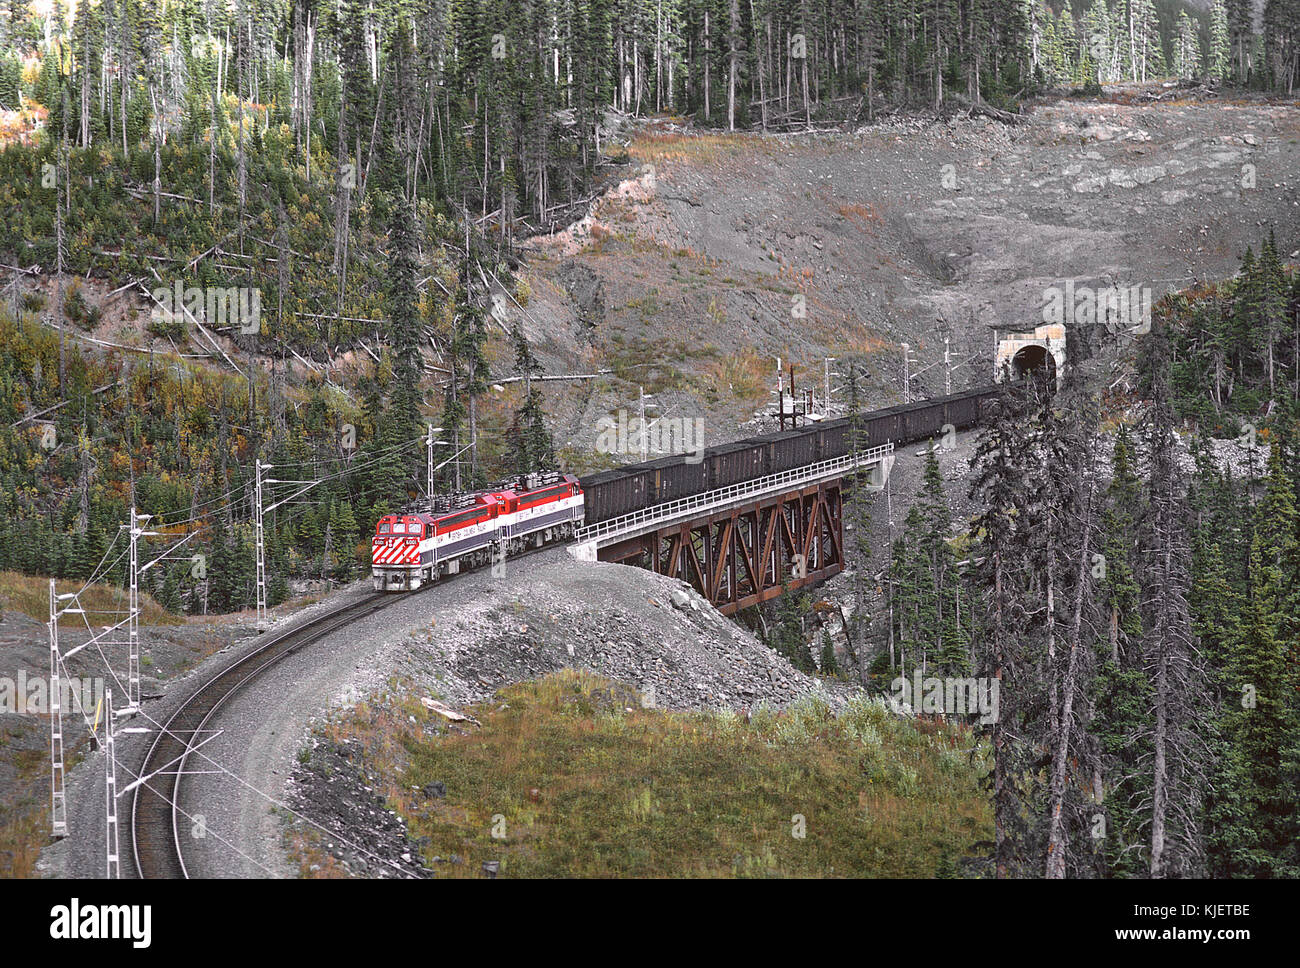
point(133, 621)
point(428, 446)
point(907, 377)
point(261, 548)
point(640, 402)
point(58, 795)
point(111, 867)
point(780, 396)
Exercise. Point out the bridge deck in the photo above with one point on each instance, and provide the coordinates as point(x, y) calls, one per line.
point(688, 508)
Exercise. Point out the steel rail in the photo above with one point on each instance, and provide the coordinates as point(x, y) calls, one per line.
point(164, 763)
point(157, 792)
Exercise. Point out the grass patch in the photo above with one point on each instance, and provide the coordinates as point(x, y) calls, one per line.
point(659, 147)
point(307, 850)
point(648, 362)
point(31, 596)
point(25, 808)
point(569, 776)
point(22, 835)
point(743, 375)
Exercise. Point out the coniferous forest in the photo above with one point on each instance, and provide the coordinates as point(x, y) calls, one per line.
point(1140, 613)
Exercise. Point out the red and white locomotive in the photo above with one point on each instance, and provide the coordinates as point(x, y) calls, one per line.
point(421, 544)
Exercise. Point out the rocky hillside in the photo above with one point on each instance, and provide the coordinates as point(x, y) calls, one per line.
point(690, 278)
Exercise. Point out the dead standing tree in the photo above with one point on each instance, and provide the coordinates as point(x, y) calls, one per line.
point(1000, 641)
point(1071, 520)
point(1171, 655)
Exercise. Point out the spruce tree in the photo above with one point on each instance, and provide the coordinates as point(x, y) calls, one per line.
point(829, 667)
point(404, 327)
point(1000, 485)
point(1172, 660)
point(1121, 687)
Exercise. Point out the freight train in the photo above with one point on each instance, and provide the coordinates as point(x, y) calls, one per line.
point(613, 493)
point(420, 544)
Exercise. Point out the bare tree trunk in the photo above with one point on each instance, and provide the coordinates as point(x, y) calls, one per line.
point(157, 172)
point(212, 141)
point(242, 160)
point(61, 177)
point(1001, 847)
point(707, 66)
point(473, 436)
point(659, 71)
point(85, 102)
point(1160, 773)
point(123, 68)
point(1056, 840)
point(84, 476)
point(731, 72)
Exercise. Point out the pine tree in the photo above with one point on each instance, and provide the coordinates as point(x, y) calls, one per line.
point(1123, 693)
point(1100, 43)
point(1218, 60)
point(1271, 306)
point(1261, 732)
point(829, 667)
point(1186, 54)
point(939, 581)
point(1218, 613)
point(347, 534)
point(1000, 484)
point(531, 446)
point(787, 632)
point(1172, 660)
point(1281, 43)
point(277, 589)
point(170, 597)
point(1240, 34)
point(404, 325)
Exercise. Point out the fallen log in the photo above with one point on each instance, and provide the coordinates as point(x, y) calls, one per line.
point(988, 111)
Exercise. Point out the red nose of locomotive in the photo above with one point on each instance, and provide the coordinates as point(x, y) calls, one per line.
point(395, 554)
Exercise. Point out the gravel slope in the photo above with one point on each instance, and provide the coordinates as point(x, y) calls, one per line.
point(894, 233)
point(460, 641)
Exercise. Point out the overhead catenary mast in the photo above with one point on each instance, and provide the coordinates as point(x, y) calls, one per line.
point(133, 625)
point(112, 868)
point(58, 795)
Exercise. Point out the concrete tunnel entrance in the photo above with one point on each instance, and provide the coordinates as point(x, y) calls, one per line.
point(1034, 361)
point(1040, 355)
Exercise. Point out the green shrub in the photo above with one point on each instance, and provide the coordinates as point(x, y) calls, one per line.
point(79, 309)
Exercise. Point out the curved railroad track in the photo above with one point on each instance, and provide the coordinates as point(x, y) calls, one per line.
point(155, 805)
point(155, 814)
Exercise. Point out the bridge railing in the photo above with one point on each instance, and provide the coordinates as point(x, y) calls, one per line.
point(722, 497)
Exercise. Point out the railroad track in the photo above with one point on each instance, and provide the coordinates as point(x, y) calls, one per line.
point(155, 805)
point(155, 813)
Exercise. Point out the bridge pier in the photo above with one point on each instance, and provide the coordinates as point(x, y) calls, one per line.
point(748, 553)
point(744, 543)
